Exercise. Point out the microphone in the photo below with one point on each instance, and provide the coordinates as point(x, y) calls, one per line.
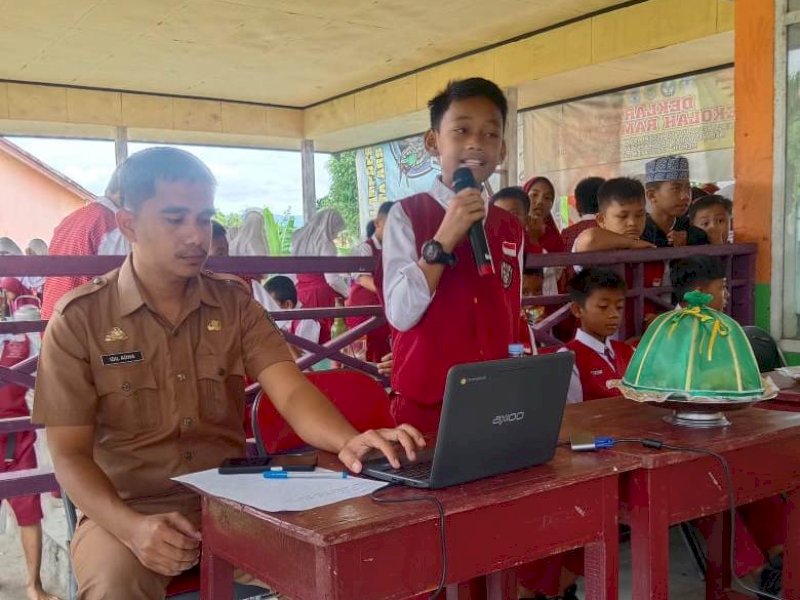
point(463, 179)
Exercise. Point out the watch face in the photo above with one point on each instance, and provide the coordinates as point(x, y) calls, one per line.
point(431, 252)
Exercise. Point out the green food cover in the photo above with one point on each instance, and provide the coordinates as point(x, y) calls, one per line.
point(695, 352)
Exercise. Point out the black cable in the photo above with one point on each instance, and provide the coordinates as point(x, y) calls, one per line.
point(442, 537)
point(658, 445)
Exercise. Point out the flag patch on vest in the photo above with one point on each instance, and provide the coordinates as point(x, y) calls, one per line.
point(506, 274)
point(510, 249)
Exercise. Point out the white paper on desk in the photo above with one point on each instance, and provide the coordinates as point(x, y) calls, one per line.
point(274, 495)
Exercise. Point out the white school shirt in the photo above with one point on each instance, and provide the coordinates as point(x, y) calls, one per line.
point(575, 393)
point(405, 289)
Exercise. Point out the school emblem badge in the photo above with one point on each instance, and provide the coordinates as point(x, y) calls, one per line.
point(506, 274)
point(214, 325)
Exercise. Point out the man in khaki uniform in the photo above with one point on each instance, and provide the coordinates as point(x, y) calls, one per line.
point(141, 378)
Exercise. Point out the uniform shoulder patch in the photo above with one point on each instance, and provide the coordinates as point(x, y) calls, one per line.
point(87, 289)
point(233, 281)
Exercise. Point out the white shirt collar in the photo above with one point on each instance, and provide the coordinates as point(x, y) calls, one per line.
point(592, 217)
point(443, 194)
point(376, 241)
point(590, 341)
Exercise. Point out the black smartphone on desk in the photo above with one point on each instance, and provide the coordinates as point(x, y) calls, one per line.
point(280, 462)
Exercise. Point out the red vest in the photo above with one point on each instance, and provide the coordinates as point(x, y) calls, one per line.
point(470, 319)
point(361, 296)
point(12, 397)
point(314, 292)
point(595, 371)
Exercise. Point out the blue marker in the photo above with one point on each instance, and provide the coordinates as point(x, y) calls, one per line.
point(305, 475)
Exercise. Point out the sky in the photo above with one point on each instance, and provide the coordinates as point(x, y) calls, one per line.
point(247, 177)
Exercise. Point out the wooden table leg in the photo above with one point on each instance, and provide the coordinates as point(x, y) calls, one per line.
point(216, 577)
point(502, 585)
point(718, 552)
point(791, 552)
point(601, 558)
point(474, 589)
point(649, 510)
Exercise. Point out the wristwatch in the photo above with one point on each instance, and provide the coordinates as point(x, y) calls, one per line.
point(433, 253)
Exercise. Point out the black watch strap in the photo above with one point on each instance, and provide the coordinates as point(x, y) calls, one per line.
point(433, 253)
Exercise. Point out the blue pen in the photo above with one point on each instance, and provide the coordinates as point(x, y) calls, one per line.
point(305, 475)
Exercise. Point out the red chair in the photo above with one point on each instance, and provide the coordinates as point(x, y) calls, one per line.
point(359, 397)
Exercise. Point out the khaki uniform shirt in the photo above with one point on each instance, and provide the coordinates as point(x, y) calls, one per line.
point(165, 399)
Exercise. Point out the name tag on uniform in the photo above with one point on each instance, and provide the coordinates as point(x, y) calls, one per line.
point(122, 358)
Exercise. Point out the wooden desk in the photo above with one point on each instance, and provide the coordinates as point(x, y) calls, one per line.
point(763, 450)
point(366, 551)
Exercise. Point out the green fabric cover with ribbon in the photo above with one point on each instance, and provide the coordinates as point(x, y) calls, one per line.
point(695, 352)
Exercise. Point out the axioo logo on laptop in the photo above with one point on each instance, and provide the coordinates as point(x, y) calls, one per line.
point(509, 418)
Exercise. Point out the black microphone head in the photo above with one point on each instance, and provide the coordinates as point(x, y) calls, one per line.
point(463, 179)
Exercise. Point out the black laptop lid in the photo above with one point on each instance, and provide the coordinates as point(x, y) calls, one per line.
point(500, 416)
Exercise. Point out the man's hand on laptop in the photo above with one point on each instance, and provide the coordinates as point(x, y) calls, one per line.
point(167, 543)
point(359, 446)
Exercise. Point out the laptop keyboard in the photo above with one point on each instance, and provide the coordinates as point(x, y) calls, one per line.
point(414, 470)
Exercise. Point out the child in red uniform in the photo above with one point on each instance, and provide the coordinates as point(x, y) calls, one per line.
point(586, 203)
point(363, 291)
point(760, 526)
point(17, 454)
point(442, 312)
point(620, 225)
point(517, 202)
point(598, 302)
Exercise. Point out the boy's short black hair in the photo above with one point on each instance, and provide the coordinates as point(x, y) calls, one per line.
point(217, 230)
point(371, 228)
point(140, 172)
point(687, 274)
point(383, 209)
point(622, 190)
point(514, 193)
point(586, 195)
point(709, 201)
point(464, 89)
point(282, 289)
point(585, 283)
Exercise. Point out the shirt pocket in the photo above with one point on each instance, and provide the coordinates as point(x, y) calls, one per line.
point(129, 399)
point(220, 389)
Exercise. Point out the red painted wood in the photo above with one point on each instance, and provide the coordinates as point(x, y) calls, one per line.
point(718, 567)
point(216, 577)
point(474, 589)
point(501, 585)
point(601, 558)
point(791, 551)
point(761, 447)
point(360, 549)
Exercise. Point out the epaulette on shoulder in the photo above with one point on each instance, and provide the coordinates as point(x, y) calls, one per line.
point(233, 281)
point(87, 289)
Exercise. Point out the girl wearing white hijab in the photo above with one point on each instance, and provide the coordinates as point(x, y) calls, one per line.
point(251, 239)
point(317, 290)
point(9, 247)
point(36, 247)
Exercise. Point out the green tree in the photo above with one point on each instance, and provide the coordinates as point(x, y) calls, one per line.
point(343, 195)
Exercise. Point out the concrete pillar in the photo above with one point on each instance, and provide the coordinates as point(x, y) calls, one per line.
point(510, 167)
point(309, 186)
point(121, 144)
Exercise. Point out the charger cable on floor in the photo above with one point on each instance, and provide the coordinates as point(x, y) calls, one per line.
point(599, 443)
point(442, 538)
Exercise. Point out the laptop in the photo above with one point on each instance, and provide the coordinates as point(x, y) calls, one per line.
point(498, 416)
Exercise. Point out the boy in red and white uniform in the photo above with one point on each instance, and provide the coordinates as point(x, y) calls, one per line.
point(442, 312)
point(598, 303)
point(17, 454)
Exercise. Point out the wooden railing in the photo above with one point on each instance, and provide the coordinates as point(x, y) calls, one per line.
point(739, 260)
